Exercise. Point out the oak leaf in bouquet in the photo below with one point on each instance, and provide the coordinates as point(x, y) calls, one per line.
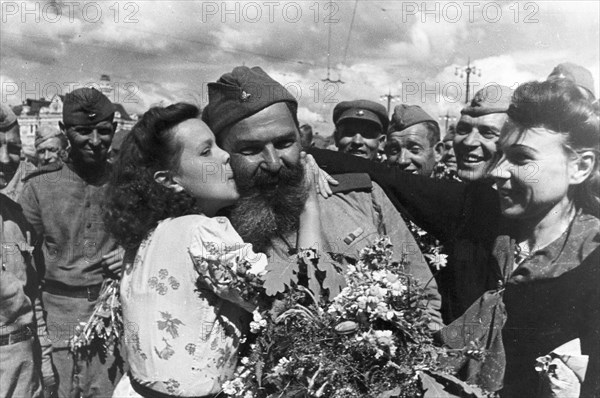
point(342, 327)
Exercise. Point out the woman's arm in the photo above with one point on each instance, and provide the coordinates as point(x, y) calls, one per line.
point(434, 205)
point(310, 231)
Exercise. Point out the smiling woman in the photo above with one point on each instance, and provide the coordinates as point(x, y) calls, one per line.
point(547, 177)
point(528, 250)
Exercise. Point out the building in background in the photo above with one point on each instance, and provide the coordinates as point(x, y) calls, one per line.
point(34, 113)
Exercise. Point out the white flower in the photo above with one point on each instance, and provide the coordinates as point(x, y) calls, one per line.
point(232, 387)
point(397, 288)
point(384, 337)
point(378, 275)
point(258, 322)
point(438, 260)
point(259, 263)
point(280, 368)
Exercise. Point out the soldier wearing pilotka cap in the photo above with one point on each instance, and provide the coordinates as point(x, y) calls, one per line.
point(411, 140)
point(577, 74)
point(478, 129)
point(50, 145)
point(432, 204)
point(63, 204)
point(259, 129)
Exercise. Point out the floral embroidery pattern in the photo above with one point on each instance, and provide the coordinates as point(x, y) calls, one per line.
point(173, 283)
point(161, 288)
point(156, 282)
point(226, 355)
point(169, 324)
point(135, 345)
point(171, 385)
point(190, 348)
point(212, 248)
point(166, 352)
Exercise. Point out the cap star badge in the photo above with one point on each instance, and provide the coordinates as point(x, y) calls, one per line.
point(245, 96)
point(360, 113)
point(92, 115)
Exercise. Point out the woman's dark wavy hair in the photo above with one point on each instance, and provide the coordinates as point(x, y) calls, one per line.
point(135, 202)
point(559, 105)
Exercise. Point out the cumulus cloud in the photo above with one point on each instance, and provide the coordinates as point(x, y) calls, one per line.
point(171, 49)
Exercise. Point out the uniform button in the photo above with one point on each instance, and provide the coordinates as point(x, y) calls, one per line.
point(87, 204)
point(221, 220)
point(89, 225)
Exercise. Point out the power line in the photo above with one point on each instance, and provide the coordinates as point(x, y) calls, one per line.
point(350, 32)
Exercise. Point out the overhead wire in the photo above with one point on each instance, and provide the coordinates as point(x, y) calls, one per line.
point(349, 33)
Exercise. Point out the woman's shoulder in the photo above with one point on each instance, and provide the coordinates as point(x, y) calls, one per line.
point(586, 232)
point(199, 228)
point(196, 222)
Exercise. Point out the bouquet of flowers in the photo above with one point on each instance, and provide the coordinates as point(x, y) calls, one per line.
point(341, 328)
point(101, 334)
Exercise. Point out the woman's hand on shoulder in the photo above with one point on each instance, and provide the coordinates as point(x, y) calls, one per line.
point(317, 180)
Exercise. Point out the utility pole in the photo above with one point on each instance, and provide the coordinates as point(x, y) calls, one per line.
point(468, 70)
point(390, 98)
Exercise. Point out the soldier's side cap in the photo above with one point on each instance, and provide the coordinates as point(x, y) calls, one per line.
point(8, 119)
point(405, 116)
point(45, 132)
point(493, 98)
point(86, 106)
point(240, 94)
point(361, 110)
point(576, 73)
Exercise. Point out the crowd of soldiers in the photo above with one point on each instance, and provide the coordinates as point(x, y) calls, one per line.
point(57, 250)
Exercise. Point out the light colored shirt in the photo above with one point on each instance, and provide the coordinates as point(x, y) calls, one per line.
point(181, 340)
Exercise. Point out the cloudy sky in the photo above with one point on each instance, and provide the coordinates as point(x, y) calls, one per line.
point(167, 51)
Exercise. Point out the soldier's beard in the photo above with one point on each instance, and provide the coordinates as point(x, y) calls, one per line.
point(270, 204)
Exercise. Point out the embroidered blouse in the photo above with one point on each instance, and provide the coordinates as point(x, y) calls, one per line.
point(181, 340)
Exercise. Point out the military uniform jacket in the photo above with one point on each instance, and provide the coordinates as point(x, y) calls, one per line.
point(20, 302)
point(354, 217)
point(65, 210)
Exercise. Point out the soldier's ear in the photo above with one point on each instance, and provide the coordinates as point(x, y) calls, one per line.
point(382, 141)
point(438, 151)
point(165, 179)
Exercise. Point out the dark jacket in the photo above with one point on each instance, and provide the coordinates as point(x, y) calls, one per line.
point(551, 298)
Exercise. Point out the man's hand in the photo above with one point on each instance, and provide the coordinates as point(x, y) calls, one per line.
point(112, 262)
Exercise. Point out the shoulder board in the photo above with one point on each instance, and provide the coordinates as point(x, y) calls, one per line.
point(349, 182)
point(43, 170)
